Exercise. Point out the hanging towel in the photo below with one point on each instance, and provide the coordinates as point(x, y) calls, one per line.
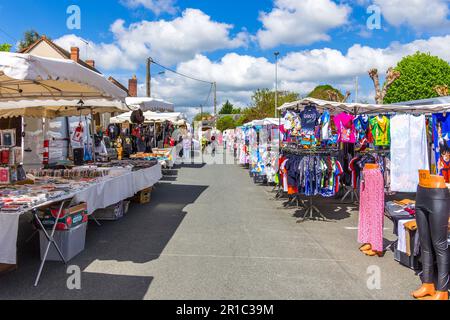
point(409, 152)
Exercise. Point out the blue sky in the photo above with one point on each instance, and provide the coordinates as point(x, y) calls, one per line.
point(232, 42)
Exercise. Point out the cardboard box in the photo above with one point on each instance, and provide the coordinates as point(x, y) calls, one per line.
point(65, 223)
point(82, 207)
point(112, 213)
point(143, 197)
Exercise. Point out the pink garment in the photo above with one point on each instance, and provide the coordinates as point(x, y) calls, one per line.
point(345, 127)
point(371, 209)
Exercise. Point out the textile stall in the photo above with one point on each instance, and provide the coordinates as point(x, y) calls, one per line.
point(383, 150)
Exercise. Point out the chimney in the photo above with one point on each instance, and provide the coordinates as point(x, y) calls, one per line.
point(75, 54)
point(132, 86)
point(91, 63)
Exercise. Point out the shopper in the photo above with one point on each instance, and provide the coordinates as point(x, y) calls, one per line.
point(213, 145)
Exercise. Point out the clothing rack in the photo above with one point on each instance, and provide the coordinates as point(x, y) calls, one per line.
point(374, 151)
point(350, 190)
point(308, 206)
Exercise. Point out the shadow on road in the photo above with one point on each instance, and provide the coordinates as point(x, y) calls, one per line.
point(139, 237)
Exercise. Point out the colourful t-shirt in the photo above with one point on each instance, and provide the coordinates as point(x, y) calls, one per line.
point(381, 130)
point(441, 135)
point(309, 117)
point(325, 130)
point(345, 127)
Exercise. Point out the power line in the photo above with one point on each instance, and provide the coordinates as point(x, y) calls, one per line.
point(181, 74)
point(8, 35)
point(209, 94)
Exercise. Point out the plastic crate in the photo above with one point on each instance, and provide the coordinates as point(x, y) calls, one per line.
point(261, 179)
point(70, 242)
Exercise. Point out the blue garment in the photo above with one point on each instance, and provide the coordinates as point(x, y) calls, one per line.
point(361, 125)
point(309, 117)
point(441, 133)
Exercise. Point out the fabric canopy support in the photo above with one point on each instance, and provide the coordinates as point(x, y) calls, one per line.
point(45, 87)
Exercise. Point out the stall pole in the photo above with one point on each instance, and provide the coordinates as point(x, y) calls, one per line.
point(93, 135)
point(155, 134)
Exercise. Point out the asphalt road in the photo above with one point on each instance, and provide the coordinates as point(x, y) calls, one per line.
point(211, 233)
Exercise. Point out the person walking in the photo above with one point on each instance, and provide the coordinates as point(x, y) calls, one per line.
point(213, 145)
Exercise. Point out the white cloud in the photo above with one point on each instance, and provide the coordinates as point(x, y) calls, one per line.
point(168, 42)
point(333, 64)
point(157, 6)
point(418, 14)
point(238, 76)
point(294, 22)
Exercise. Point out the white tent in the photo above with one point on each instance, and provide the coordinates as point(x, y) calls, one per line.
point(150, 104)
point(150, 117)
point(266, 122)
point(44, 87)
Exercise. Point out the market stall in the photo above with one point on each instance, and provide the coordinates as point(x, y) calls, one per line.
point(49, 88)
point(154, 138)
point(377, 150)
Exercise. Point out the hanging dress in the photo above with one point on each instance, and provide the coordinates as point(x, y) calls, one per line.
point(371, 209)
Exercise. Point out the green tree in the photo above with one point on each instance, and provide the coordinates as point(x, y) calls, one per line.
point(200, 116)
point(29, 37)
point(226, 122)
point(263, 103)
point(242, 120)
point(323, 92)
point(5, 47)
point(420, 73)
point(227, 108)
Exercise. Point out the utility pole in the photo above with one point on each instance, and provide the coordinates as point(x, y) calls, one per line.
point(215, 103)
point(276, 83)
point(149, 77)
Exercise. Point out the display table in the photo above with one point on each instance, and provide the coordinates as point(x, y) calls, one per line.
point(99, 195)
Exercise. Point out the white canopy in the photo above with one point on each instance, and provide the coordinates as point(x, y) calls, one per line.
point(266, 122)
point(150, 104)
point(361, 108)
point(173, 117)
point(45, 87)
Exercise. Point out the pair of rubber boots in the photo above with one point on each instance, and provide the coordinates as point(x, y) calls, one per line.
point(367, 250)
point(428, 292)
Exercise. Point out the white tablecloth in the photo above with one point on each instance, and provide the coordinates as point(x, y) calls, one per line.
point(97, 196)
point(9, 225)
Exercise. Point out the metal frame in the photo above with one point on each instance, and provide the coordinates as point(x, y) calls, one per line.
point(310, 209)
point(352, 193)
point(51, 240)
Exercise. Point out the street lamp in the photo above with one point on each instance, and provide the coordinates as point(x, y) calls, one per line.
point(276, 83)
